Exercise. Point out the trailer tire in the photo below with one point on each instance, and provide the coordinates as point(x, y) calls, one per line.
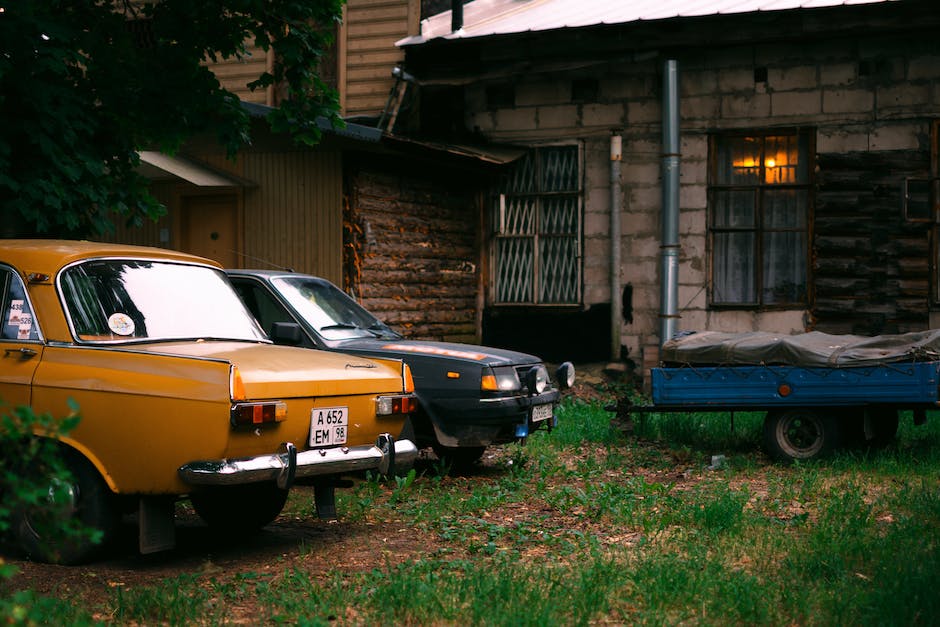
point(800, 434)
point(880, 426)
point(870, 427)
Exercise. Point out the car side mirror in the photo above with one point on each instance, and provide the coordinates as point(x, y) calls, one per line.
point(286, 333)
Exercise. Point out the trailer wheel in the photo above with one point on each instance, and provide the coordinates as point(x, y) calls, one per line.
point(802, 434)
point(880, 426)
point(870, 427)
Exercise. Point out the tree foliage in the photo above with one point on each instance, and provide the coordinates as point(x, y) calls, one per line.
point(84, 84)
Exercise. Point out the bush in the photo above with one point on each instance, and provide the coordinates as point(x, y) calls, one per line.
point(34, 478)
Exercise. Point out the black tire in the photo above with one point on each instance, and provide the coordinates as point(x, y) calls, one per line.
point(869, 427)
point(82, 498)
point(459, 457)
point(880, 426)
point(240, 509)
point(801, 434)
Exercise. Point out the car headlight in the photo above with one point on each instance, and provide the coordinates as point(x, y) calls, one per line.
point(500, 380)
point(565, 375)
point(536, 379)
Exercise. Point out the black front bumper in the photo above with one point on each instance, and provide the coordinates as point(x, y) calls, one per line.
point(484, 421)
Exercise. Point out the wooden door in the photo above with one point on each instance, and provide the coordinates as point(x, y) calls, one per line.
point(209, 228)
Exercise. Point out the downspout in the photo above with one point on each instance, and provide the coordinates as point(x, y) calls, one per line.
point(669, 249)
point(616, 153)
point(456, 15)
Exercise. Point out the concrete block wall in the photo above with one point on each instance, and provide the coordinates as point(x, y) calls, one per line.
point(859, 95)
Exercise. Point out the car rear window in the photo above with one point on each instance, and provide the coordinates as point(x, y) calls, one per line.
point(120, 300)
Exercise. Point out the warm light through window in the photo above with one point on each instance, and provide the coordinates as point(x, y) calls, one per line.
point(773, 161)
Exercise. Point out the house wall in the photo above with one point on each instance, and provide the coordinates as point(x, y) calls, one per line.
point(871, 101)
point(235, 74)
point(288, 214)
point(368, 52)
point(412, 251)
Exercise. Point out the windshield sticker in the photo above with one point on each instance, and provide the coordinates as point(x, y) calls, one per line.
point(121, 324)
point(16, 311)
point(433, 350)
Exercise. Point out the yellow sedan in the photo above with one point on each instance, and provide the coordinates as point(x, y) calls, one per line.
point(180, 393)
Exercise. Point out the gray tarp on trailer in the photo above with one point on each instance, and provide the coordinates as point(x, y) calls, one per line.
point(806, 349)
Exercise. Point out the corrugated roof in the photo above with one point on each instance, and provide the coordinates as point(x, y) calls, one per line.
point(503, 17)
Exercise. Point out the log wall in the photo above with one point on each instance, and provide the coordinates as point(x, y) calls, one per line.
point(871, 263)
point(411, 253)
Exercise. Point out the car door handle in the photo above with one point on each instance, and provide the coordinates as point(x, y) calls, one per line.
point(25, 353)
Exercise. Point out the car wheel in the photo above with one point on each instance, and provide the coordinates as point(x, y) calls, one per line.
point(59, 530)
point(241, 508)
point(800, 434)
point(459, 457)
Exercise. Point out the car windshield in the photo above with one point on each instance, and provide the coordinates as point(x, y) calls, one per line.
point(120, 300)
point(333, 314)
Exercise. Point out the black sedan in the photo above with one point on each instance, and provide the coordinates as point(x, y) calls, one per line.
point(470, 396)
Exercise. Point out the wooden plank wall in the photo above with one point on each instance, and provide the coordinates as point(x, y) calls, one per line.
point(871, 265)
point(293, 217)
point(235, 74)
point(371, 28)
point(412, 253)
point(290, 215)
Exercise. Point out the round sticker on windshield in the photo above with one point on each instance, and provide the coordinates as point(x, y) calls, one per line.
point(121, 324)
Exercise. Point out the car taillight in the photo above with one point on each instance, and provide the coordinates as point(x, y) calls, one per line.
point(391, 405)
point(409, 379)
point(235, 385)
point(249, 414)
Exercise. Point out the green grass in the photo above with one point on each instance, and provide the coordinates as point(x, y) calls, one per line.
point(587, 526)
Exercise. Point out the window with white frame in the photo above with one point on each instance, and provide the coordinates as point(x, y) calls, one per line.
point(535, 248)
point(760, 198)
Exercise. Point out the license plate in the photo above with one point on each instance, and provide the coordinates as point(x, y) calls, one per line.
point(328, 426)
point(541, 412)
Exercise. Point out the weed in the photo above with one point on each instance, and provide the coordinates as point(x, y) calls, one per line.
point(587, 527)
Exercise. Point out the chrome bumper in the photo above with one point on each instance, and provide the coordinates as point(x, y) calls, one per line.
point(288, 464)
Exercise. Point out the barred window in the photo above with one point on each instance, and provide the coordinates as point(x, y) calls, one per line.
point(759, 205)
point(536, 230)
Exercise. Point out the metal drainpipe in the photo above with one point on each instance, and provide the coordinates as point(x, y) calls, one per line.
point(616, 152)
point(669, 250)
point(456, 15)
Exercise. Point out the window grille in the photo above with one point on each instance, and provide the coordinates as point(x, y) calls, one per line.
point(759, 204)
point(536, 219)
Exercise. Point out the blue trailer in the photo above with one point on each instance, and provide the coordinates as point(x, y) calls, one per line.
point(819, 392)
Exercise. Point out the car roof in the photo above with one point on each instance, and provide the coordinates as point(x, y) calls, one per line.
point(272, 274)
point(48, 255)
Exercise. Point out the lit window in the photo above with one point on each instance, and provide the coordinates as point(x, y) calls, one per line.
point(759, 204)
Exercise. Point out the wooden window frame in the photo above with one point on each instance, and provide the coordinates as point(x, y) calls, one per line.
point(758, 229)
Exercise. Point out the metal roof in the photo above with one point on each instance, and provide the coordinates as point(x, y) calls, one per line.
point(503, 17)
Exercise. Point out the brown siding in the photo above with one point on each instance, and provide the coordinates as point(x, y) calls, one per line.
point(290, 214)
point(148, 233)
point(871, 264)
point(235, 74)
point(371, 29)
point(415, 254)
point(293, 217)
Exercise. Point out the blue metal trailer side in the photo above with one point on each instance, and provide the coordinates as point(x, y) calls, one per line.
point(811, 410)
